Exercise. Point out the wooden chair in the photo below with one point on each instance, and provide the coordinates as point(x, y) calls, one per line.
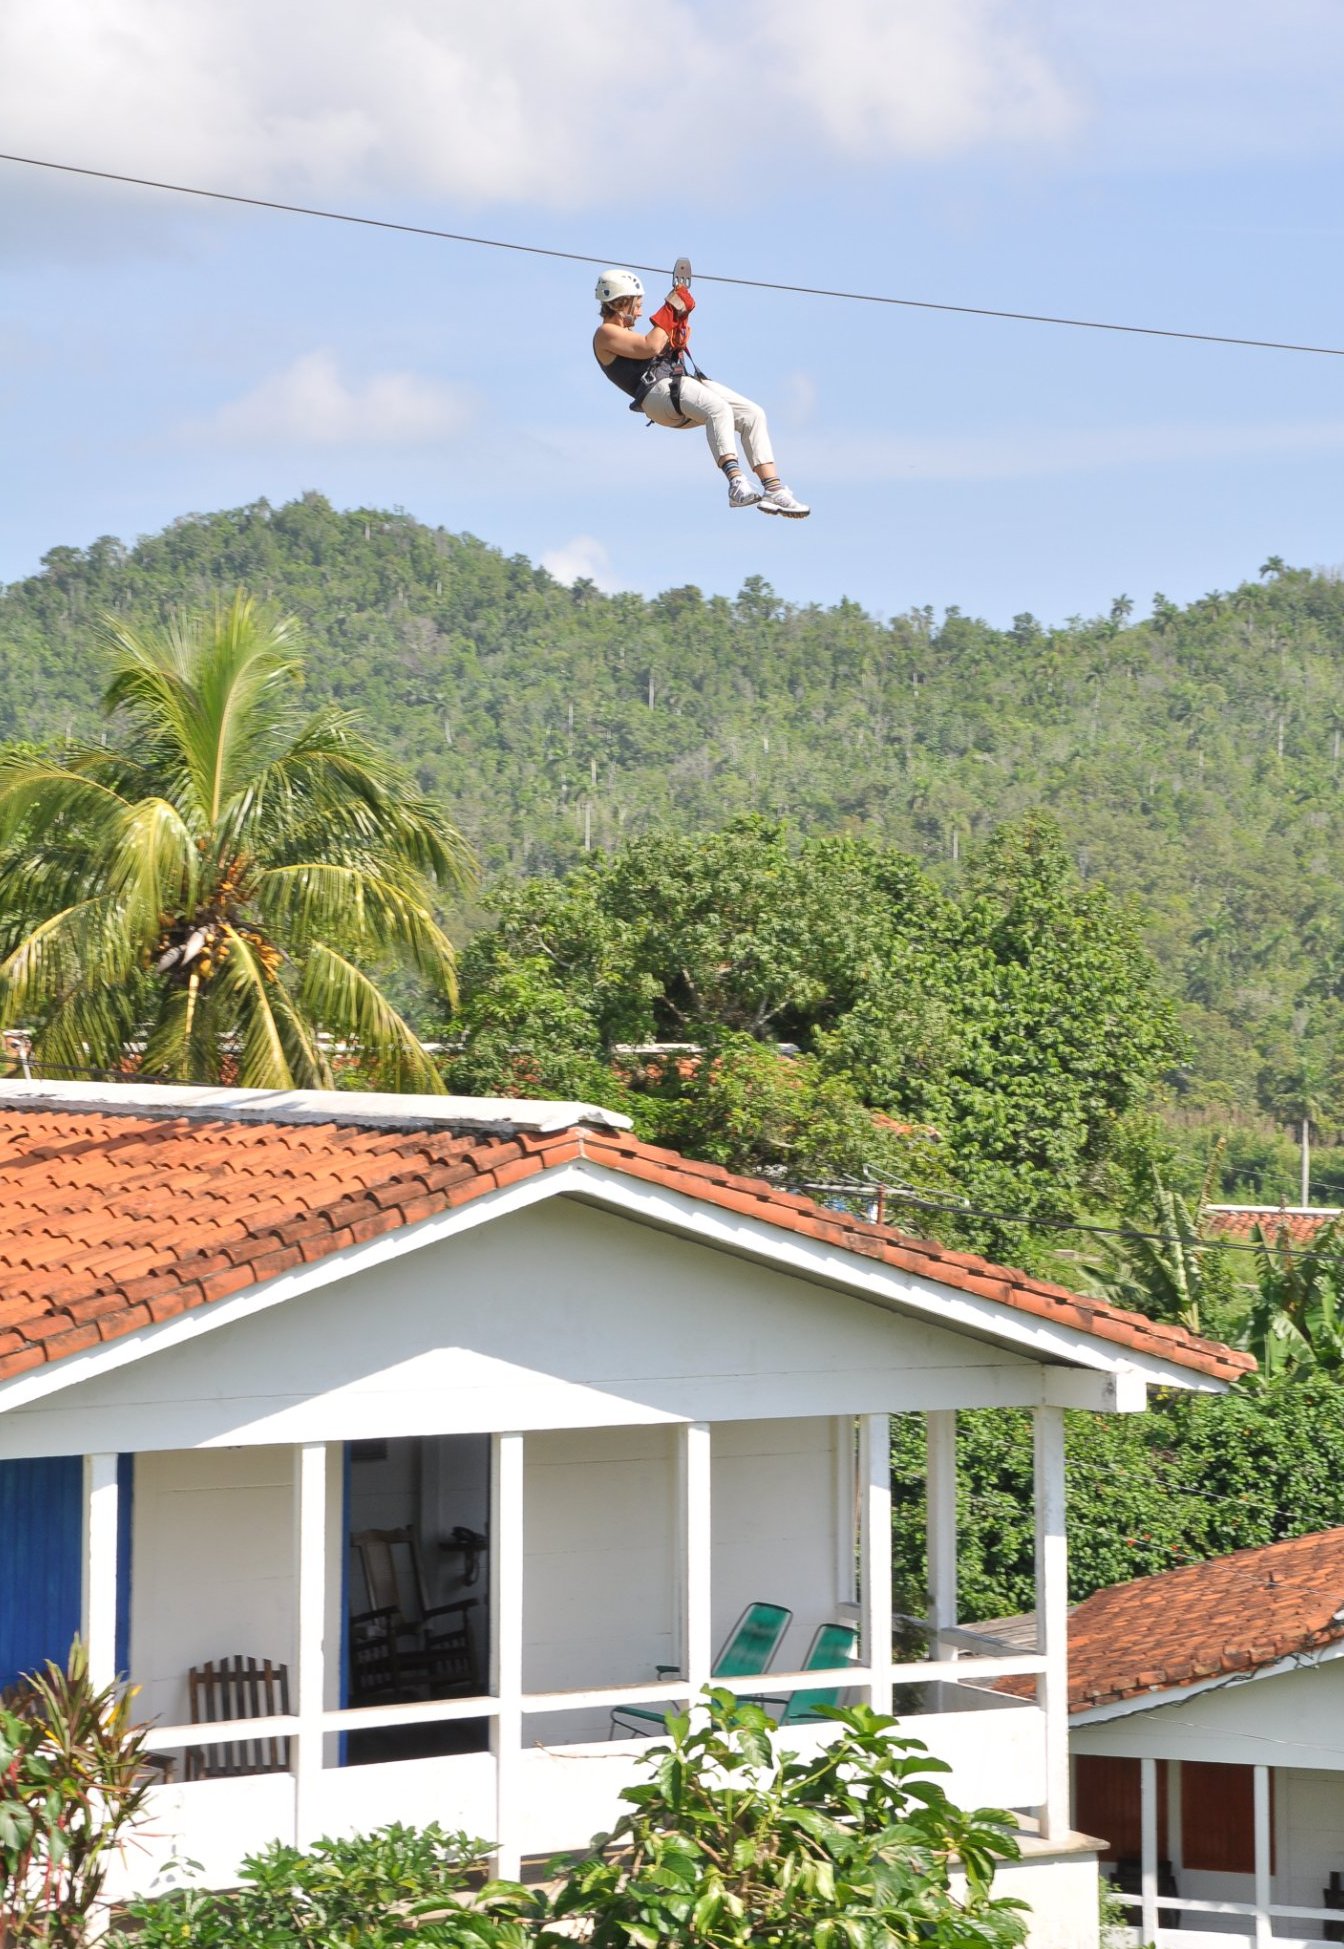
point(237, 1688)
point(405, 1647)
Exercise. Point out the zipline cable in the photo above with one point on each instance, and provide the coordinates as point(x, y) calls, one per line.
point(702, 277)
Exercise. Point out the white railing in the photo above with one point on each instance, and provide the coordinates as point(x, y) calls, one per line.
point(1248, 1911)
point(422, 1712)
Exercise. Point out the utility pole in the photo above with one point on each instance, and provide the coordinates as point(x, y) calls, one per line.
point(1306, 1161)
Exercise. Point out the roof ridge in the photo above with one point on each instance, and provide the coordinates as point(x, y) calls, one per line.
point(375, 1108)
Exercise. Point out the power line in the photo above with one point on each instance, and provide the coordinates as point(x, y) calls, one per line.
point(957, 1210)
point(703, 277)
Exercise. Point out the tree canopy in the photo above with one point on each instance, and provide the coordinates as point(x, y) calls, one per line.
point(1003, 1032)
point(1192, 757)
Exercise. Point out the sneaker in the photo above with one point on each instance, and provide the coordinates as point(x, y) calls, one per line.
point(782, 500)
point(743, 493)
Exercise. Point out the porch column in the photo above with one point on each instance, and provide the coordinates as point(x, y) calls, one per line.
point(98, 1608)
point(940, 1448)
point(875, 1553)
point(1264, 1931)
point(506, 1643)
point(1052, 1617)
point(1148, 1848)
point(310, 1527)
point(694, 1496)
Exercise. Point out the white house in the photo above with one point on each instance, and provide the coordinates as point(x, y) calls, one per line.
point(612, 1394)
point(1208, 1740)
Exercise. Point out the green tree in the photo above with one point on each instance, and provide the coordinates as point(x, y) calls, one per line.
point(218, 883)
point(1021, 1018)
point(1194, 1477)
point(1295, 1322)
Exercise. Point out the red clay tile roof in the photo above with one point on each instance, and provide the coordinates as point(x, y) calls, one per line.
point(1297, 1224)
point(110, 1220)
point(1235, 1614)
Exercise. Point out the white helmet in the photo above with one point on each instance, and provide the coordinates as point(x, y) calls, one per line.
point(614, 284)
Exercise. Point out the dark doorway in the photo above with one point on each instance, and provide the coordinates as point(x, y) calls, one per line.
point(417, 1588)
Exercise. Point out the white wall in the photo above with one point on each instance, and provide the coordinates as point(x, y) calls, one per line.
point(212, 1568)
point(599, 1569)
point(1309, 1824)
point(561, 1315)
point(774, 1526)
point(600, 1577)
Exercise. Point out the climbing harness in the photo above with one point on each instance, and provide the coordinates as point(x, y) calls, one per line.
point(674, 318)
point(637, 378)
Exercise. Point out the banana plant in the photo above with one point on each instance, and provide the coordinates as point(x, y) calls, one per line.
point(1296, 1320)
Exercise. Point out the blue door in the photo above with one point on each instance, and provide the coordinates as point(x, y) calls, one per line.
point(41, 1529)
point(42, 1561)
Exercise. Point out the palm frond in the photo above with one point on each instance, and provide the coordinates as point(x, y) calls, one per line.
point(214, 687)
point(358, 907)
point(330, 791)
point(276, 1048)
point(153, 867)
point(342, 998)
point(89, 1028)
point(46, 794)
point(79, 947)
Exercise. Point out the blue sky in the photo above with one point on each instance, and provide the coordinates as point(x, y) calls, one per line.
point(1173, 163)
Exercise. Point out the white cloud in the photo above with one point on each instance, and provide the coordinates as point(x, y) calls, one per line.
point(583, 556)
point(1028, 452)
point(916, 77)
point(311, 404)
point(519, 99)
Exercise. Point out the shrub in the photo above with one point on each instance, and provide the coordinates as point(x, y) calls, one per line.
point(734, 1844)
point(72, 1785)
point(398, 1885)
point(728, 1845)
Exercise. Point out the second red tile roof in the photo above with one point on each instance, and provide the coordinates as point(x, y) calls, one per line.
point(1236, 1613)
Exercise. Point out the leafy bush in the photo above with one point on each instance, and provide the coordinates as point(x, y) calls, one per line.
point(72, 1785)
point(399, 1885)
point(732, 1843)
point(729, 1845)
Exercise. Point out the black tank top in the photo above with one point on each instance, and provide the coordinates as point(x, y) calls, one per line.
point(628, 374)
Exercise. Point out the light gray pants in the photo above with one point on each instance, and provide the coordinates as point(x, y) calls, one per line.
point(723, 414)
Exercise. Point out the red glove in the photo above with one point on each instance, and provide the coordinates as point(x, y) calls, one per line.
point(674, 317)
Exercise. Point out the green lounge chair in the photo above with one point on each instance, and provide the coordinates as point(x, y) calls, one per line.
point(832, 1645)
point(747, 1650)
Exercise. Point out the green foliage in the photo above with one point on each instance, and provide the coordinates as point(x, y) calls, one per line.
point(1194, 1477)
point(1021, 1019)
point(216, 883)
point(729, 1844)
point(1295, 1323)
point(732, 1843)
point(72, 1787)
point(1167, 1266)
point(398, 1886)
point(1191, 760)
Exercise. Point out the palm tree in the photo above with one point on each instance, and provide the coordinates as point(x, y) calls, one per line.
point(211, 887)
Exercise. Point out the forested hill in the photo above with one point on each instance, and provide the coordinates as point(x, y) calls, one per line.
point(1193, 759)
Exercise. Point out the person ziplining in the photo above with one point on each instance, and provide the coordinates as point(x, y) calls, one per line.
point(651, 367)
